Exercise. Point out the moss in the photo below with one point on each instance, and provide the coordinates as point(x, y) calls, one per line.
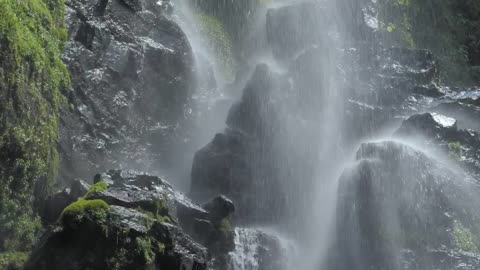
point(83, 209)
point(143, 249)
point(442, 26)
point(98, 187)
point(225, 227)
point(13, 260)
point(455, 150)
point(221, 42)
point(464, 238)
point(32, 75)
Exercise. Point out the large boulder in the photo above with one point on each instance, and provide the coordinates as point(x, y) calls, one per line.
point(114, 237)
point(131, 70)
point(400, 209)
point(440, 132)
point(231, 163)
point(136, 201)
point(295, 27)
point(260, 249)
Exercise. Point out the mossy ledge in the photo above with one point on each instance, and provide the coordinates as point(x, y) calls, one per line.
point(32, 76)
point(75, 213)
point(98, 187)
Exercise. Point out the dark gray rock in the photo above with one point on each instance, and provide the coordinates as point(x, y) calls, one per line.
point(465, 111)
point(440, 132)
point(295, 27)
point(229, 164)
point(219, 208)
point(131, 69)
point(259, 249)
point(120, 238)
point(396, 198)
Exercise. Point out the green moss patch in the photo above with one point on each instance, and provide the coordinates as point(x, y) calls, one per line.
point(449, 28)
point(221, 42)
point(81, 210)
point(98, 187)
point(32, 75)
point(464, 238)
point(13, 260)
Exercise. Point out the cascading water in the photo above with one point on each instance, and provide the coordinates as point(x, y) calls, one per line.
point(322, 84)
point(257, 249)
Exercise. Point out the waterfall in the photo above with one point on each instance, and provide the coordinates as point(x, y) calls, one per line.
point(255, 248)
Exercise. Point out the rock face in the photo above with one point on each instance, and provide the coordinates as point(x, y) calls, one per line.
point(131, 69)
point(440, 132)
point(116, 238)
point(293, 28)
point(230, 165)
point(132, 220)
point(400, 209)
point(257, 249)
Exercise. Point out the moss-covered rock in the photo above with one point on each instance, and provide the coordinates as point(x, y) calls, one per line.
point(118, 239)
point(213, 30)
point(32, 75)
point(449, 28)
point(84, 210)
point(97, 187)
point(12, 260)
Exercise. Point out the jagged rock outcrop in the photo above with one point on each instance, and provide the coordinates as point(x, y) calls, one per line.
point(259, 249)
point(131, 68)
point(440, 132)
point(400, 209)
point(293, 28)
point(230, 164)
point(140, 222)
point(115, 237)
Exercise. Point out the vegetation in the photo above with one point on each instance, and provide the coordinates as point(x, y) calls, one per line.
point(455, 150)
point(225, 227)
point(143, 249)
point(32, 75)
point(96, 209)
point(158, 213)
point(98, 187)
point(450, 28)
point(220, 41)
point(12, 260)
point(464, 238)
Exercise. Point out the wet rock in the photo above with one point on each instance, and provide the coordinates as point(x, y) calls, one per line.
point(396, 198)
point(78, 188)
point(53, 206)
point(117, 238)
point(134, 189)
point(466, 113)
point(141, 222)
point(440, 132)
point(131, 71)
point(259, 250)
point(227, 165)
point(219, 208)
point(295, 27)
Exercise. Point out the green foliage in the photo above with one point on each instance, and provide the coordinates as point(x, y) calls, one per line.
point(464, 238)
point(159, 213)
point(98, 187)
point(32, 75)
point(96, 209)
point(221, 42)
point(143, 249)
point(439, 25)
point(12, 260)
point(225, 227)
point(455, 150)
